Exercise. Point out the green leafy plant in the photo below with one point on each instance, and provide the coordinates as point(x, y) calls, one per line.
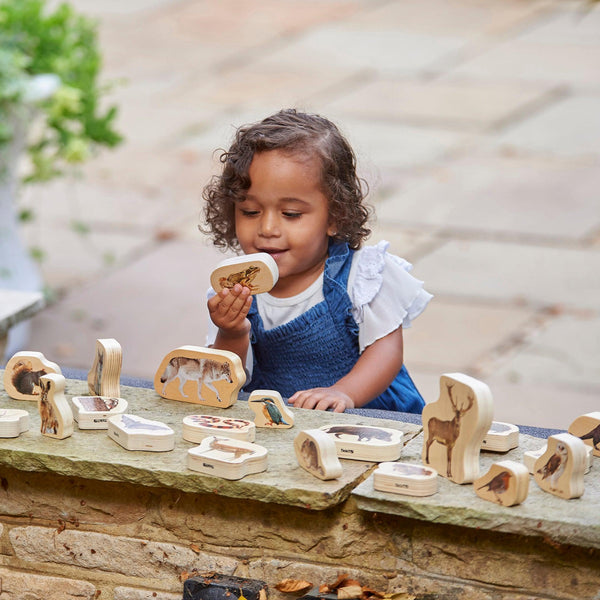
point(61, 44)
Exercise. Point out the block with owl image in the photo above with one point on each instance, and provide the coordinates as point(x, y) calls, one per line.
point(561, 468)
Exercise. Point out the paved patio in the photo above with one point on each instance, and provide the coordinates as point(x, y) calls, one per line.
point(476, 123)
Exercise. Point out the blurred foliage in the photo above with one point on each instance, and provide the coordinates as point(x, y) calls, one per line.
point(35, 41)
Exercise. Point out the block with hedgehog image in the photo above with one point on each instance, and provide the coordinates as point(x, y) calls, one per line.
point(316, 453)
point(455, 426)
point(23, 372)
point(561, 468)
point(258, 272)
point(55, 413)
point(200, 375)
point(505, 483)
point(104, 378)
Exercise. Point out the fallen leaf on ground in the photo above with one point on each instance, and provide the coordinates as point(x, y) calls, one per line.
point(293, 585)
point(349, 591)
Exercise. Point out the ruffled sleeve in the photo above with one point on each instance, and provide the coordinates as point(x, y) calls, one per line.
point(384, 294)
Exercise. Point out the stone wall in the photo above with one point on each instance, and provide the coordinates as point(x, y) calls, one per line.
point(70, 538)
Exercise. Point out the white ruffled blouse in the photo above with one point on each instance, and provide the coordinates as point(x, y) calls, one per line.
point(383, 293)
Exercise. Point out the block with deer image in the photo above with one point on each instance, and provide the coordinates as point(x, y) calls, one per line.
point(23, 372)
point(455, 425)
point(505, 483)
point(561, 468)
point(55, 413)
point(104, 378)
point(587, 428)
point(200, 375)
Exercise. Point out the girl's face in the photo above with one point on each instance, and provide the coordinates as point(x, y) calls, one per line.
point(286, 214)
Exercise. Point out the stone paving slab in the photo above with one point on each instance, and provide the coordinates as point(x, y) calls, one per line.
point(506, 272)
point(92, 454)
point(572, 521)
point(548, 200)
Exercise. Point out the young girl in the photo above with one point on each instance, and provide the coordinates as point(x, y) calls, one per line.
point(329, 334)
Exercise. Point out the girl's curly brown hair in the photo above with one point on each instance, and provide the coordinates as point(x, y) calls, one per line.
point(290, 131)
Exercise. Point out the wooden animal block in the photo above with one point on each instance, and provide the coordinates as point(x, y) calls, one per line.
point(270, 410)
point(201, 376)
point(105, 375)
point(506, 483)
point(455, 425)
point(92, 412)
point(227, 458)
point(364, 442)
point(587, 428)
point(198, 427)
point(405, 478)
point(258, 272)
point(55, 413)
point(316, 453)
point(136, 433)
point(501, 437)
point(13, 422)
point(560, 469)
point(23, 372)
point(531, 456)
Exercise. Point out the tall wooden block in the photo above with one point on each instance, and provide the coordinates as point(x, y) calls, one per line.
point(55, 413)
point(506, 483)
point(201, 376)
point(587, 428)
point(105, 375)
point(23, 372)
point(455, 425)
point(560, 469)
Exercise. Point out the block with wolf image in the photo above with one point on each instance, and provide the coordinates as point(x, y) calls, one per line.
point(23, 372)
point(455, 426)
point(201, 376)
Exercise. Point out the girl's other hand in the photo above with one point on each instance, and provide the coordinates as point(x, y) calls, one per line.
point(228, 310)
point(322, 398)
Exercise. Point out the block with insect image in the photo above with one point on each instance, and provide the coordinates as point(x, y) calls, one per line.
point(55, 413)
point(365, 442)
point(505, 483)
point(201, 376)
point(561, 468)
point(317, 454)
point(587, 428)
point(258, 272)
point(455, 426)
point(227, 458)
point(23, 372)
point(270, 410)
point(104, 378)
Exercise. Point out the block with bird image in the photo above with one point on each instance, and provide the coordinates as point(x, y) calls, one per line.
point(227, 458)
point(530, 456)
point(137, 433)
point(104, 378)
point(455, 426)
point(270, 410)
point(561, 468)
point(22, 374)
point(316, 453)
point(55, 413)
point(505, 483)
point(199, 375)
point(258, 272)
point(587, 428)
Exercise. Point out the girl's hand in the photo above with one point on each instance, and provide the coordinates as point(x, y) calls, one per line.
point(322, 399)
point(228, 310)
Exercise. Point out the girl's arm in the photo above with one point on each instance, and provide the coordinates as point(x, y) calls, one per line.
point(228, 310)
point(372, 374)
